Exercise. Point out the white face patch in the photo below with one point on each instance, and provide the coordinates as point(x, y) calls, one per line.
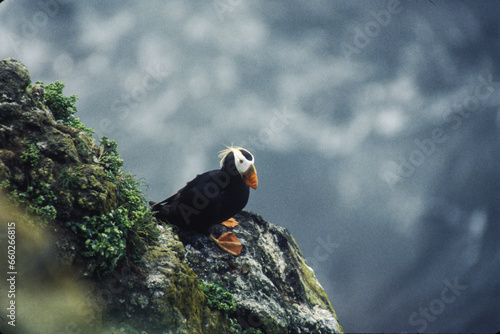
point(242, 158)
point(241, 162)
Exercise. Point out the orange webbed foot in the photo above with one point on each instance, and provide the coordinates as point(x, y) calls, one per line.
point(230, 223)
point(229, 242)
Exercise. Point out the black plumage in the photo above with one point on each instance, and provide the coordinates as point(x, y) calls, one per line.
point(209, 199)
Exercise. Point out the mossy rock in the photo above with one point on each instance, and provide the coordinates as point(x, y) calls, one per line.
point(64, 204)
point(4, 171)
point(58, 146)
point(173, 285)
point(43, 171)
point(14, 78)
point(169, 299)
point(274, 289)
point(10, 114)
point(94, 192)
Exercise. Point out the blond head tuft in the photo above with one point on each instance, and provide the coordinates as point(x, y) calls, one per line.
point(223, 154)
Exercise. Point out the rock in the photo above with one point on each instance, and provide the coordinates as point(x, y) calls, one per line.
point(52, 167)
point(14, 79)
point(146, 283)
point(274, 288)
point(58, 145)
point(166, 297)
point(93, 191)
point(35, 149)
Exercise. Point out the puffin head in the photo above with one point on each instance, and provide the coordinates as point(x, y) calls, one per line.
point(243, 160)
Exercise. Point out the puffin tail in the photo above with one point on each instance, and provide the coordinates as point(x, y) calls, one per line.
point(158, 206)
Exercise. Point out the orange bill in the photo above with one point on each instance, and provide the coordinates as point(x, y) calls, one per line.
point(250, 177)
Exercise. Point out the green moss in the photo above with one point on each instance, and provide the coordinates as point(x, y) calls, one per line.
point(84, 145)
point(90, 187)
point(315, 293)
point(34, 190)
point(58, 146)
point(43, 171)
point(181, 304)
point(15, 79)
point(123, 230)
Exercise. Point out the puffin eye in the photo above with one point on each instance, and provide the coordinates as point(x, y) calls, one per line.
point(246, 154)
point(241, 161)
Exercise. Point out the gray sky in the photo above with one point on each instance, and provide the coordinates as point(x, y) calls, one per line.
point(374, 125)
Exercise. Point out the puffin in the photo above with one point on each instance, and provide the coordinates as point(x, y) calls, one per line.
point(212, 198)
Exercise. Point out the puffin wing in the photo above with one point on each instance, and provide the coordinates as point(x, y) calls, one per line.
point(187, 193)
point(202, 193)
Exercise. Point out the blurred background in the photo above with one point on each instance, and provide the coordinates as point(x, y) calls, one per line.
point(374, 125)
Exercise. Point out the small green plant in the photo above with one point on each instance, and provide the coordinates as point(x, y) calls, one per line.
point(41, 199)
point(235, 328)
point(37, 200)
point(107, 237)
point(104, 238)
point(124, 231)
point(5, 184)
point(84, 145)
point(108, 156)
point(68, 178)
point(30, 156)
point(63, 107)
point(218, 297)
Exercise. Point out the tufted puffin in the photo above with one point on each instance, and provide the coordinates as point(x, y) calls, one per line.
point(213, 198)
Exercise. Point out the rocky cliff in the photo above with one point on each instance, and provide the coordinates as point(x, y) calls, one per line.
point(91, 258)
